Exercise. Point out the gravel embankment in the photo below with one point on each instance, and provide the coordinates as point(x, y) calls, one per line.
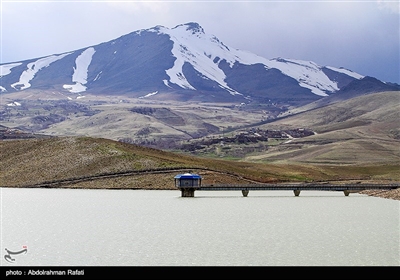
point(389, 194)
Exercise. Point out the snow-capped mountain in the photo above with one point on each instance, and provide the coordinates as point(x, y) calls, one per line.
point(181, 63)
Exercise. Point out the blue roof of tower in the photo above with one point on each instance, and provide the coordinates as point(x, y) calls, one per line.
point(187, 176)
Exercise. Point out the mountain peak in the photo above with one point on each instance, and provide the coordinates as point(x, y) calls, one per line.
point(183, 61)
point(191, 26)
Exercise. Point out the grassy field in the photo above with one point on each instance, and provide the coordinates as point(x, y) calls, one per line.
point(32, 161)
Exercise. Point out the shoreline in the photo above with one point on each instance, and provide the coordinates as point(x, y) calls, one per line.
point(387, 194)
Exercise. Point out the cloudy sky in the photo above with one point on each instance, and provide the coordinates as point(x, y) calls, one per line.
point(362, 36)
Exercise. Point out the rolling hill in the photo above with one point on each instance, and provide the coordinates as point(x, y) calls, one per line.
point(28, 162)
point(360, 130)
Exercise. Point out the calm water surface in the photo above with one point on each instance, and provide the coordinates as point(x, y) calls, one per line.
point(70, 227)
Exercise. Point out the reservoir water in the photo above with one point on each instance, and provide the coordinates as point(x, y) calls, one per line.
point(76, 227)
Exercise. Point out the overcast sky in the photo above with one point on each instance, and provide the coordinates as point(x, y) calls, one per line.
point(362, 36)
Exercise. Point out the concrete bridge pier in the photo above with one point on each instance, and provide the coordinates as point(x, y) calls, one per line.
point(187, 192)
point(245, 192)
point(296, 192)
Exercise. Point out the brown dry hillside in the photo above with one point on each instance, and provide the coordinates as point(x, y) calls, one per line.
point(34, 161)
point(360, 131)
point(379, 110)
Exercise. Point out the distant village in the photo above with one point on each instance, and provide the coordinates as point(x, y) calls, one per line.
point(7, 133)
point(253, 135)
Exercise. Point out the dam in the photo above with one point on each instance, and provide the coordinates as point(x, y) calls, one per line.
point(189, 183)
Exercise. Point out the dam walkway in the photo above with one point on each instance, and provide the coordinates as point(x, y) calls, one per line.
point(296, 188)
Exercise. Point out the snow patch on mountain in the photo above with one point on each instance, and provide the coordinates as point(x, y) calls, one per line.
point(81, 71)
point(307, 73)
point(166, 83)
point(13, 104)
point(347, 72)
point(97, 76)
point(33, 68)
point(204, 52)
point(149, 94)
point(6, 69)
point(190, 41)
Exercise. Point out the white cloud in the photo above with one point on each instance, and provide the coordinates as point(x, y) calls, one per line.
point(390, 6)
